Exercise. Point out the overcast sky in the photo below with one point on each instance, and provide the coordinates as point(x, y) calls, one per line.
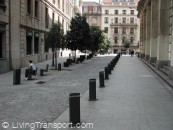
point(92, 0)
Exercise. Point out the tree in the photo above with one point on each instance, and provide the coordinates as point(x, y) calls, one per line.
point(77, 37)
point(95, 39)
point(105, 44)
point(55, 38)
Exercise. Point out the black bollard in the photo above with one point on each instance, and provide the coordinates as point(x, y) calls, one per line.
point(101, 79)
point(106, 73)
point(16, 76)
point(74, 108)
point(109, 69)
point(92, 90)
point(59, 67)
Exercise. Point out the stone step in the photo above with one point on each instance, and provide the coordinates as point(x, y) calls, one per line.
point(164, 71)
point(153, 64)
point(166, 67)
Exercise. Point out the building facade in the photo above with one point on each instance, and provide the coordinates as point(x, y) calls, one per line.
point(156, 33)
point(4, 36)
point(120, 22)
point(23, 25)
point(118, 18)
point(78, 6)
point(92, 11)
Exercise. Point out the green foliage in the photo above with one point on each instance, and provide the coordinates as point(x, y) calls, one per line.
point(79, 34)
point(55, 36)
point(95, 39)
point(105, 44)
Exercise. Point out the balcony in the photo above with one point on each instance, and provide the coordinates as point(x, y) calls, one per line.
point(124, 24)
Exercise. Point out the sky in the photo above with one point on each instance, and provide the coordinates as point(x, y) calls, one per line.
point(93, 0)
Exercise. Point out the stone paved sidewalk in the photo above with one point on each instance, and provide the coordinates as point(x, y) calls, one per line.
point(134, 98)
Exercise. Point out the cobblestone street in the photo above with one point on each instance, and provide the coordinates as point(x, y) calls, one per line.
point(31, 102)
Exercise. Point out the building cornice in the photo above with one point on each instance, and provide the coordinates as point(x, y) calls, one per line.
point(57, 10)
point(142, 6)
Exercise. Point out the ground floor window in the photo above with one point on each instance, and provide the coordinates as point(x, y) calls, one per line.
point(29, 42)
point(36, 43)
point(32, 42)
point(46, 43)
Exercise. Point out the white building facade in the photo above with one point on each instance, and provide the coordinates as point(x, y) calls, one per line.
point(120, 22)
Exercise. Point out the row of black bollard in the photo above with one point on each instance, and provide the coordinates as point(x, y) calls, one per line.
point(74, 98)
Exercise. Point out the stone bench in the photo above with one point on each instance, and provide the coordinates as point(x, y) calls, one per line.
point(44, 70)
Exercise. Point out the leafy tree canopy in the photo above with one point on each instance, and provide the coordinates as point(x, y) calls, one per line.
point(95, 38)
point(55, 37)
point(105, 42)
point(79, 34)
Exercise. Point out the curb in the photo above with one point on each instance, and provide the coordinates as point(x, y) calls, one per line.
point(160, 74)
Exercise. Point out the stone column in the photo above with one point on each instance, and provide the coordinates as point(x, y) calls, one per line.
point(144, 35)
point(142, 38)
point(163, 34)
point(154, 31)
point(171, 42)
point(148, 29)
point(15, 34)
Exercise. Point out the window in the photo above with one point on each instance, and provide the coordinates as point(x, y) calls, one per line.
point(46, 17)
point(29, 42)
point(131, 20)
point(53, 18)
point(124, 20)
point(124, 31)
point(115, 0)
point(123, 0)
point(115, 20)
point(132, 1)
point(94, 9)
point(115, 40)
point(1, 44)
point(53, 1)
point(63, 5)
point(2, 2)
point(116, 30)
point(131, 39)
point(59, 4)
point(124, 11)
point(29, 9)
point(123, 39)
point(132, 12)
point(106, 11)
point(36, 42)
point(131, 30)
point(116, 11)
point(106, 30)
point(106, 19)
point(85, 9)
point(36, 8)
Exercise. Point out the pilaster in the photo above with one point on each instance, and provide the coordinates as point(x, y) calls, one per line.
point(163, 34)
point(154, 31)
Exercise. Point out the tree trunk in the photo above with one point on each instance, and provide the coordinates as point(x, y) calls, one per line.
point(75, 56)
point(56, 59)
point(53, 58)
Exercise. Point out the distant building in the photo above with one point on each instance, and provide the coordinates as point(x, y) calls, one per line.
point(92, 11)
point(118, 18)
point(78, 6)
